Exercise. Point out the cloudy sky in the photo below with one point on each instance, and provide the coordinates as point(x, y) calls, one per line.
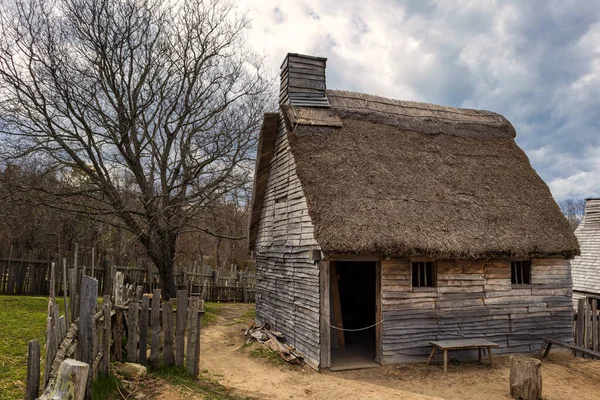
point(535, 62)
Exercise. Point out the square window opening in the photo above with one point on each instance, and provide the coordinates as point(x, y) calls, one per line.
point(520, 272)
point(423, 274)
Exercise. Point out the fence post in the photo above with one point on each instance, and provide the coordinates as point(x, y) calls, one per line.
point(168, 356)
point(87, 309)
point(580, 323)
point(144, 330)
point(132, 333)
point(106, 335)
point(155, 322)
point(33, 370)
point(182, 304)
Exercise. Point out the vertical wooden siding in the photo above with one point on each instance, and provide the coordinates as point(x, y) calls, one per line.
point(474, 299)
point(287, 281)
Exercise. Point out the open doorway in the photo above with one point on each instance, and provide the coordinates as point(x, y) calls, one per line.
point(353, 306)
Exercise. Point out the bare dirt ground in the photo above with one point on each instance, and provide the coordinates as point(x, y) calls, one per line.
point(226, 360)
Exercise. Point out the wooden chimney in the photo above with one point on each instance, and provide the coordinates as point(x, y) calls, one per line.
point(303, 81)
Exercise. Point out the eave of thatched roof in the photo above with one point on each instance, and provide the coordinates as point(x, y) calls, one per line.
point(586, 267)
point(266, 143)
point(404, 178)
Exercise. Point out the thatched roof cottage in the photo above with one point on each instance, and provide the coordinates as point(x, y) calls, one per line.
point(586, 267)
point(423, 221)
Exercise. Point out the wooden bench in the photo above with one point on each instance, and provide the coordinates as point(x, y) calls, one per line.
point(458, 344)
point(548, 342)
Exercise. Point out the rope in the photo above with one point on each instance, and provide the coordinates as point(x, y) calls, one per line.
point(355, 330)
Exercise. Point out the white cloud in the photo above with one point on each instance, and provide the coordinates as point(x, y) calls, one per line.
point(536, 63)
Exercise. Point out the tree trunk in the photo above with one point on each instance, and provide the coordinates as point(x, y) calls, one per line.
point(525, 378)
point(161, 249)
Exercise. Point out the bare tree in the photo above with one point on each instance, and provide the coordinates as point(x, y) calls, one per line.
point(147, 110)
point(574, 210)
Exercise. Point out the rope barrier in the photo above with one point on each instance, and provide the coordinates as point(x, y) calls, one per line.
point(355, 330)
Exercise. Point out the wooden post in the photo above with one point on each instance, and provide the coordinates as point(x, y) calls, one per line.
point(118, 335)
point(93, 260)
point(106, 335)
point(155, 323)
point(182, 304)
point(72, 382)
point(144, 330)
point(192, 333)
point(337, 307)
point(132, 332)
point(595, 325)
point(525, 378)
point(73, 293)
point(87, 310)
point(33, 370)
point(580, 323)
point(325, 304)
point(168, 325)
point(67, 305)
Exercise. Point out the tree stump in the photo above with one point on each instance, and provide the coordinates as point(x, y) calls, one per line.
point(70, 382)
point(525, 378)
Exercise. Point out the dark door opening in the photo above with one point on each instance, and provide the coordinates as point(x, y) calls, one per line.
point(356, 303)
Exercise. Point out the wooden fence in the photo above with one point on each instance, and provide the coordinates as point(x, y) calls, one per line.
point(97, 331)
point(28, 273)
point(587, 333)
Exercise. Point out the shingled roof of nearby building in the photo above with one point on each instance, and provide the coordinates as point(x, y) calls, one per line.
point(586, 268)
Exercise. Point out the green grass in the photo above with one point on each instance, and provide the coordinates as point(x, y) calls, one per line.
point(211, 313)
point(106, 387)
point(209, 388)
point(22, 319)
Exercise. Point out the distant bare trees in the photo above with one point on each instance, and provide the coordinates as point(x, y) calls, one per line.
point(574, 210)
point(145, 111)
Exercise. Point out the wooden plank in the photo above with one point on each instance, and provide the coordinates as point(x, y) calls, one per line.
point(132, 332)
point(33, 370)
point(51, 341)
point(106, 335)
point(462, 344)
point(168, 326)
point(67, 305)
point(182, 304)
point(87, 310)
point(378, 314)
point(337, 307)
point(324, 329)
point(118, 335)
point(574, 348)
point(595, 325)
point(193, 341)
point(155, 323)
point(579, 339)
point(144, 331)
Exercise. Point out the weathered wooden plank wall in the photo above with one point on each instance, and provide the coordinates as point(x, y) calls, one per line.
point(474, 299)
point(287, 281)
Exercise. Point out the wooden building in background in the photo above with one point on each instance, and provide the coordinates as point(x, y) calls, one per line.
point(423, 221)
point(586, 267)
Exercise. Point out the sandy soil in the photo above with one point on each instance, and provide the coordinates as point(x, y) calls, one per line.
point(564, 376)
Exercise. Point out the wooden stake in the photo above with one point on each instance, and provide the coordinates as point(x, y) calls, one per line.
point(168, 325)
point(132, 332)
point(192, 332)
point(155, 322)
point(106, 335)
point(33, 370)
point(67, 304)
point(182, 304)
point(144, 330)
point(87, 310)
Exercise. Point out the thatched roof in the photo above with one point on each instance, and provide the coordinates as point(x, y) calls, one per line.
point(586, 268)
point(405, 178)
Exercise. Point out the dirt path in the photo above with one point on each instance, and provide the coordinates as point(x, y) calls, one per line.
point(227, 361)
point(564, 377)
